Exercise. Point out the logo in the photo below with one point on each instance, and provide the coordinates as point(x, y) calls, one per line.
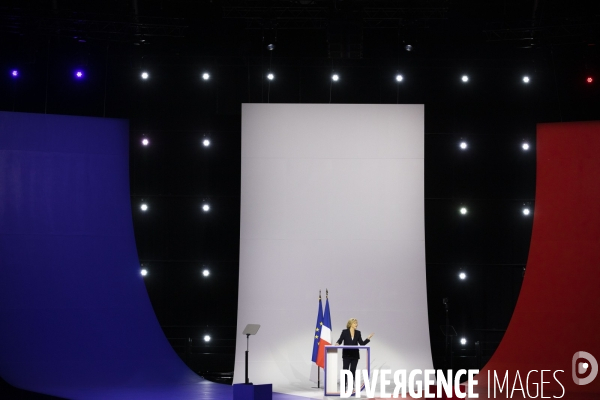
point(582, 367)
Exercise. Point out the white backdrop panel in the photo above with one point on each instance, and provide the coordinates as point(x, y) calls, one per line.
point(332, 196)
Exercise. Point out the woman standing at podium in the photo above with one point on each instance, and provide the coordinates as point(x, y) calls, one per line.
point(351, 337)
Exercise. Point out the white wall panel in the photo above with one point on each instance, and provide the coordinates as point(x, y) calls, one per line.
point(332, 197)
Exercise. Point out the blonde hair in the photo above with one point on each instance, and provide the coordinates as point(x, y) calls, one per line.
point(350, 322)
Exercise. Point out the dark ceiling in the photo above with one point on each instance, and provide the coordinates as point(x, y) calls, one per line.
point(495, 42)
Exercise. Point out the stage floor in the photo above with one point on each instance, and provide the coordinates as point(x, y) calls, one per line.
point(206, 390)
point(201, 390)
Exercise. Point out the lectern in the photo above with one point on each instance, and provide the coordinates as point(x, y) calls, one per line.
point(250, 329)
point(246, 390)
point(333, 368)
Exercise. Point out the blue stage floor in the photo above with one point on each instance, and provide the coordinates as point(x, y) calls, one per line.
point(202, 390)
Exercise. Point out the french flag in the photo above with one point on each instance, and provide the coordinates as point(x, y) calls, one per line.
point(318, 328)
point(325, 335)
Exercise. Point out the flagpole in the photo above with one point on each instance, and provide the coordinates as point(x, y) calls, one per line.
point(319, 368)
point(322, 337)
point(326, 297)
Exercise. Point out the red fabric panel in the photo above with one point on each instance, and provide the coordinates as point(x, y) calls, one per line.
point(558, 311)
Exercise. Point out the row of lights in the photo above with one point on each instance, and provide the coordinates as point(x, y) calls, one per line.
point(463, 210)
point(145, 207)
point(463, 276)
point(146, 142)
point(464, 145)
point(205, 272)
point(526, 211)
point(79, 74)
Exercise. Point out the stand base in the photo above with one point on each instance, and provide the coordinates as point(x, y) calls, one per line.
point(241, 391)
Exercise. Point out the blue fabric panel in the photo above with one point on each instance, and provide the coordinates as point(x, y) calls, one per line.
point(74, 311)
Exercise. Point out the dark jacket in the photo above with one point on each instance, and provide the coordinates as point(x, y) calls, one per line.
point(346, 340)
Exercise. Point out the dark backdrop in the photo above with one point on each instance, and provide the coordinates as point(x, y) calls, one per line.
point(496, 43)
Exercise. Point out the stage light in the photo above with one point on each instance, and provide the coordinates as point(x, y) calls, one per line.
point(463, 341)
point(408, 47)
point(206, 142)
point(78, 74)
point(271, 46)
point(205, 207)
point(526, 79)
point(463, 145)
point(270, 76)
point(14, 73)
point(205, 272)
point(525, 146)
point(144, 272)
point(526, 211)
point(462, 275)
point(206, 338)
point(589, 79)
point(206, 76)
point(144, 207)
point(465, 78)
point(145, 142)
point(399, 78)
point(335, 77)
point(145, 75)
point(463, 210)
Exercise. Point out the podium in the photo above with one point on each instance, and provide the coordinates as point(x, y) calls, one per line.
point(244, 391)
point(333, 367)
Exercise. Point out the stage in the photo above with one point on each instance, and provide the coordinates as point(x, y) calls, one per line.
point(75, 315)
